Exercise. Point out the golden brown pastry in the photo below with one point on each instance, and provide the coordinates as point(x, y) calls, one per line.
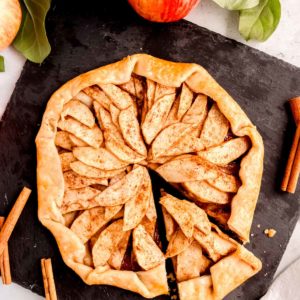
point(103, 130)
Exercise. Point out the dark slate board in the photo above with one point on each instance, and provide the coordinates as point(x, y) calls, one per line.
point(83, 37)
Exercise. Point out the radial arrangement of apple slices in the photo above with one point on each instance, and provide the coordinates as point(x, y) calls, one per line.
point(108, 137)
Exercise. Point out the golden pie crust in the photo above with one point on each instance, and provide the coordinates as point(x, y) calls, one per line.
point(51, 181)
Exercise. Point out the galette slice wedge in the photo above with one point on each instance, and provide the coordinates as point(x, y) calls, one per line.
point(208, 264)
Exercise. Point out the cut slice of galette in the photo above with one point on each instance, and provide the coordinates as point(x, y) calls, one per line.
point(101, 133)
point(208, 264)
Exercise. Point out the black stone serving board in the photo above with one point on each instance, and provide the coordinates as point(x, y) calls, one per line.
point(88, 34)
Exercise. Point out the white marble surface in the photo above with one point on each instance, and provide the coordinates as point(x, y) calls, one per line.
point(284, 44)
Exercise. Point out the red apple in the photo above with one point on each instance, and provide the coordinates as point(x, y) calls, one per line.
point(163, 10)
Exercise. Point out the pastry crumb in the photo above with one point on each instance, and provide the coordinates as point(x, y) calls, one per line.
point(270, 232)
point(174, 297)
point(258, 225)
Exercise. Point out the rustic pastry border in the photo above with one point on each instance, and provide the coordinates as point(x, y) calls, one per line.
point(50, 180)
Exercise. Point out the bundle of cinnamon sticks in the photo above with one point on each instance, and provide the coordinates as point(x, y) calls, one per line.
point(7, 226)
point(291, 174)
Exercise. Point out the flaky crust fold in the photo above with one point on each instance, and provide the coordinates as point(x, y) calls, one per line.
point(226, 275)
point(50, 180)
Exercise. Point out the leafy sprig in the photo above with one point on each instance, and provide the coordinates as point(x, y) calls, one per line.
point(31, 39)
point(258, 18)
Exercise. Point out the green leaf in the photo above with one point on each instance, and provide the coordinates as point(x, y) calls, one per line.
point(2, 66)
point(32, 39)
point(237, 4)
point(260, 22)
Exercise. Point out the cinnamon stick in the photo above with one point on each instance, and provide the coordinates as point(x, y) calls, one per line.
point(45, 280)
point(48, 278)
point(295, 108)
point(291, 174)
point(4, 261)
point(12, 218)
point(6, 266)
point(1, 257)
point(291, 159)
point(291, 188)
point(2, 269)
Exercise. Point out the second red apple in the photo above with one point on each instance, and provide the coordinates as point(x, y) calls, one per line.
point(163, 10)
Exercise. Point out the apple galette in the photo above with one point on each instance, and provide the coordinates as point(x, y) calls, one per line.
point(101, 134)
